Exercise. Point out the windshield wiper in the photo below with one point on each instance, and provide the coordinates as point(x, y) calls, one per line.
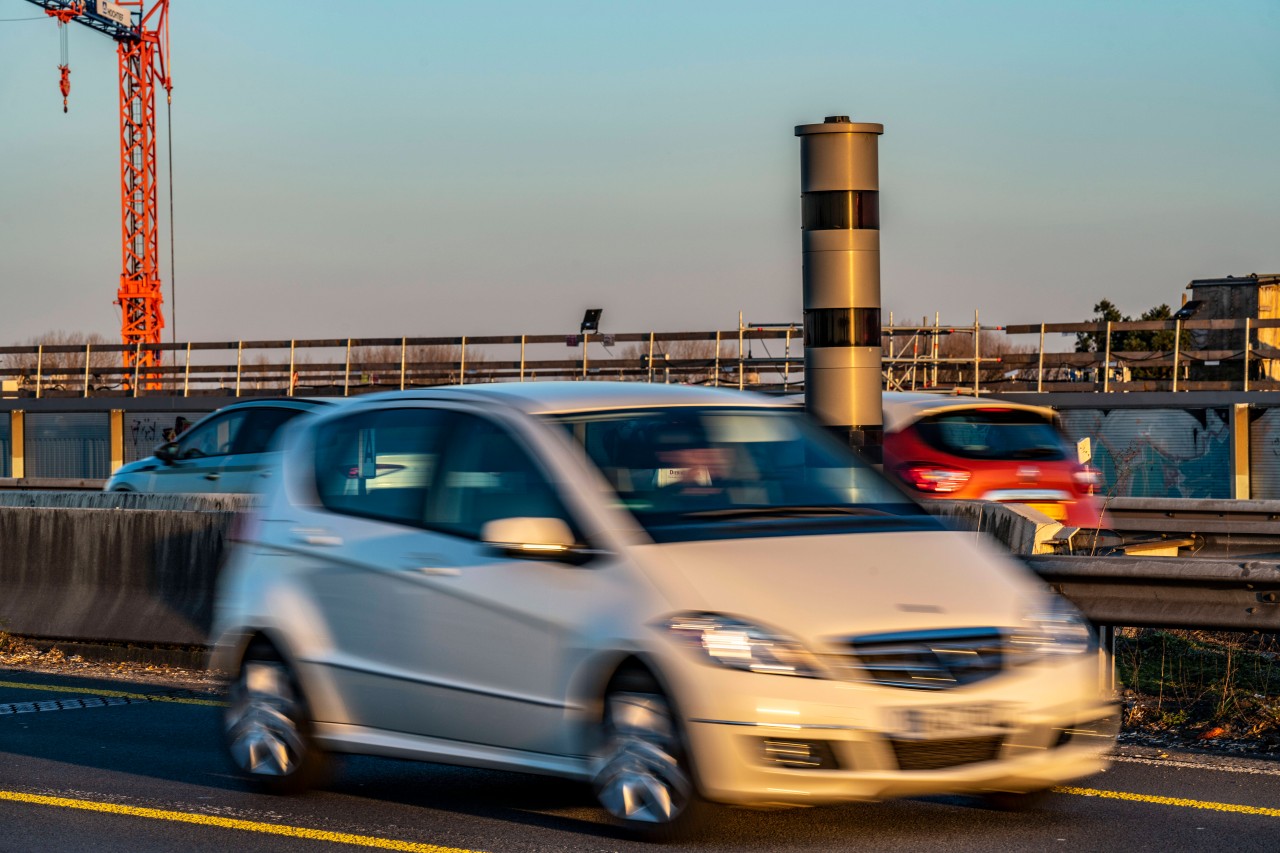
point(789, 512)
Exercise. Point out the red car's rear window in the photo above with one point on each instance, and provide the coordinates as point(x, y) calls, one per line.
point(992, 434)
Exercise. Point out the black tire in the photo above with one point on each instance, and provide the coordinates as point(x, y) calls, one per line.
point(1008, 801)
point(267, 726)
point(645, 781)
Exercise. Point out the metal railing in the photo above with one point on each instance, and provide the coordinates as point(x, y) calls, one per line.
point(974, 359)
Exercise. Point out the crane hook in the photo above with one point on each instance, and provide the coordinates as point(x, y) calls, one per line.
point(65, 84)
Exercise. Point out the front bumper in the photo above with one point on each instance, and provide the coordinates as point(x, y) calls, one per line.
point(810, 741)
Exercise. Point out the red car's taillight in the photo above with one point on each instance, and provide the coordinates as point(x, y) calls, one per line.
point(933, 478)
point(1087, 480)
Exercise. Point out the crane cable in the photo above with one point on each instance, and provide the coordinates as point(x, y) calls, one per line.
point(173, 285)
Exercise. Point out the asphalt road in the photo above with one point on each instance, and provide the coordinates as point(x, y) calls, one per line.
point(119, 766)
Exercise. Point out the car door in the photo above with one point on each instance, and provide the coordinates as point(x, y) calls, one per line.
point(199, 454)
point(251, 460)
point(433, 632)
point(504, 635)
point(371, 472)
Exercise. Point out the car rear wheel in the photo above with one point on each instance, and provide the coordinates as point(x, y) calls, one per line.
point(644, 782)
point(266, 726)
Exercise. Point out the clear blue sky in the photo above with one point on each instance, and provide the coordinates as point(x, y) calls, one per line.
point(422, 168)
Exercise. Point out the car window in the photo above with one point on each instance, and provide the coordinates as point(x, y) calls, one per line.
point(379, 464)
point(261, 428)
point(214, 437)
point(486, 475)
point(993, 433)
point(685, 472)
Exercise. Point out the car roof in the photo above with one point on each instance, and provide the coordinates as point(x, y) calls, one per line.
point(900, 409)
point(903, 408)
point(559, 397)
point(278, 403)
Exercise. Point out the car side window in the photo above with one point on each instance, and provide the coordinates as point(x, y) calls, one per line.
point(215, 437)
point(379, 464)
point(261, 428)
point(486, 475)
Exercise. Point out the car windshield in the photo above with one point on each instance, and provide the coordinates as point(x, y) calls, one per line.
point(681, 468)
point(992, 433)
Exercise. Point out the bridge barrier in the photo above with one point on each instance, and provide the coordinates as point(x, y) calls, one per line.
point(141, 569)
point(111, 568)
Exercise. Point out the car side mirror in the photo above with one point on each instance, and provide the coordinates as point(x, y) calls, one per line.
point(529, 537)
point(166, 453)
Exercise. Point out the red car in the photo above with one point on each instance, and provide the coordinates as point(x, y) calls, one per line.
point(972, 449)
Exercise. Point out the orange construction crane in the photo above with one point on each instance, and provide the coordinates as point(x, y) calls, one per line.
point(142, 39)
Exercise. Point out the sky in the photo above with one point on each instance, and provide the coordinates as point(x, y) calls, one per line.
point(420, 168)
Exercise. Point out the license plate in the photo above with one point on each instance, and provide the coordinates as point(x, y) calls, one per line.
point(948, 721)
point(1056, 511)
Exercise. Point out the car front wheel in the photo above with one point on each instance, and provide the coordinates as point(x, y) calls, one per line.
point(644, 781)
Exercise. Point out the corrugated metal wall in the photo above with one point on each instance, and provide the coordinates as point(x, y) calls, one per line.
point(76, 445)
point(1158, 453)
point(1264, 454)
point(144, 431)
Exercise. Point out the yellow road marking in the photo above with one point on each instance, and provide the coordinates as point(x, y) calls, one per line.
point(93, 691)
point(1169, 801)
point(230, 823)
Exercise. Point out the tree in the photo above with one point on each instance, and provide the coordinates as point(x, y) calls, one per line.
point(1104, 312)
point(1156, 341)
point(61, 369)
point(1151, 341)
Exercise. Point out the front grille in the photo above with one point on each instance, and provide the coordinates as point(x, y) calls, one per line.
point(948, 752)
point(934, 660)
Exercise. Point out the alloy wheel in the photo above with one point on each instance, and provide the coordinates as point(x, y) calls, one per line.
point(642, 780)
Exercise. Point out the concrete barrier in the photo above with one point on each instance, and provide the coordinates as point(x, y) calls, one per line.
point(125, 500)
point(1022, 530)
point(112, 568)
point(124, 568)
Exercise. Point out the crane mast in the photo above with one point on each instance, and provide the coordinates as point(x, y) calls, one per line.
point(142, 47)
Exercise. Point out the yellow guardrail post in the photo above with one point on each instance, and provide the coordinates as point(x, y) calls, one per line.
point(17, 440)
point(117, 438)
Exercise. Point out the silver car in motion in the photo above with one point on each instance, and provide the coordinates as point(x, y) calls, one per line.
point(679, 595)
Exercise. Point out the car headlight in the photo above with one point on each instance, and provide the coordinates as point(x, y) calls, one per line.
point(741, 645)
point(1052, 627)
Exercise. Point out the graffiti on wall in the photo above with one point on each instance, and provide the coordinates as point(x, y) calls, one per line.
point(1157, 453)
point(144, 431)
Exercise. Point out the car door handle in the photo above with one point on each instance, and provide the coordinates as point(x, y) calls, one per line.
point(432, 564)
point(315, 536)
point(211, 476)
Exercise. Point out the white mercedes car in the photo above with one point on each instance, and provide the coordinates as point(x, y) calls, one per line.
point(680, 595)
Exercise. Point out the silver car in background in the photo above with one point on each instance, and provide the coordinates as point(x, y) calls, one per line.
point(678, 595)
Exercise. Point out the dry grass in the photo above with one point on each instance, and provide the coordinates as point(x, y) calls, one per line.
point(1198, 687)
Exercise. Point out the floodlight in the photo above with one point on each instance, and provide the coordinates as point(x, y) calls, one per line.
point(591, 320)
point(1186, 312)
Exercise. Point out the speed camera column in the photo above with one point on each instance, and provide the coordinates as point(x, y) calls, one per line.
point(840, 191)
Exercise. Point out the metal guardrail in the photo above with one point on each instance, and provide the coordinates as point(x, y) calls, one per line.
point(1241, 593)
point(1168, 592)
point(1223, 529)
